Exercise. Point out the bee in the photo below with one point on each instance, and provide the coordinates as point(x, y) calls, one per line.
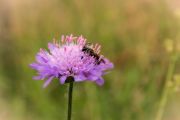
point(88, 49)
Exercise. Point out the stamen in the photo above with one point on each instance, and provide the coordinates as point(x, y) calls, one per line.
point(62, 39)
point(80, 40)
point(95, 47)
point(41, 50)
point(54, 41)
point(98, 49)
point(69, 38)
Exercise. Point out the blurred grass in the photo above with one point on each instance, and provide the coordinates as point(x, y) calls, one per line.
point(132, 34)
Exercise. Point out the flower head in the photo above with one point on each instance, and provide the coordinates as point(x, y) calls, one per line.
point(74, 57)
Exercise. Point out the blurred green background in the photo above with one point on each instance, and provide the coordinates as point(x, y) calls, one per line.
point(136, 35)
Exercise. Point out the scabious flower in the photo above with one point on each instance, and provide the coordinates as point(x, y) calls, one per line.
point(72, 56)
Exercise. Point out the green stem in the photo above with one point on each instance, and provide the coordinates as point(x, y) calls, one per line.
point(70, 100)
point(166, 90)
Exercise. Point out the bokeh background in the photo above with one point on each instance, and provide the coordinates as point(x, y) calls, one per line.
point(138, 36)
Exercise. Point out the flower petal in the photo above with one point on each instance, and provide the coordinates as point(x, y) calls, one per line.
point(100, 81)
point(79, 77)
point(48, 81)
point(62, 79)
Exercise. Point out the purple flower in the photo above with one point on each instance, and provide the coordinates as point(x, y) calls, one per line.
point(72, 56)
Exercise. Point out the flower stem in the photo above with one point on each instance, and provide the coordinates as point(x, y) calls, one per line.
point(70, 100)
point(167, 89)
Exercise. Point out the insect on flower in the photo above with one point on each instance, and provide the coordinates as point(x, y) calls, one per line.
point(71, 57)
point(88, 48)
